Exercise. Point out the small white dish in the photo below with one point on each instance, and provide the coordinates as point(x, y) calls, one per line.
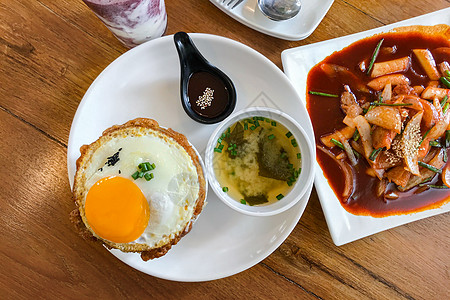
point(345, 227)
point(295, 29)
point(145, 82)
point(301, 186)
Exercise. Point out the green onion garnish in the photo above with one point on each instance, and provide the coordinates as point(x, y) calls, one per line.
point(445, 108)
point(271, 137)
point(243, 201)
point(288, 134)
point(245, 125)
point(323, 94)
point(424, 136)
point(135, 175)
point(152, 166)
point(290, 166)
point(375, 153)
point(280, 196)
point(447, 138)
point(429, 167)
point(144, 166)
point(225, 189)
point(148, 176)
point(256, 123)
point(434, 186)
point(273, 123)
point(299, 155)
point(294, 143)
point(217, 150)
point(234, 153)
point(268, 120)
point(253, 127)
point(219, 140)
point(289, 183)
point(339, 144)
point(435, 144)
point(445, 81)
point(356, 135)
point(374, 56)
point(141, 174)
point(444, 100)
point(389, 104)
point(220, 147)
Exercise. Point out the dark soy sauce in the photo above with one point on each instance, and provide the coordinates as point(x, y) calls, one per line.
point(208, 95)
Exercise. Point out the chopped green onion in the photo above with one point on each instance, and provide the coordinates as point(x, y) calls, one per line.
point(280, 196)
point(445, 108)
point(253, 127)
point(260, 118)
point(225, 189)
point(243, 201)
point(435, 144)
point(323, 94)
point(389, 104)
point(290, 166)
point(152, 166)
point(220, 147)
point(256, 123)
point(299, 155)
point(273, 123)
point(447, 138)
point(245, 125)
point(267, 120)
point(294, 143)
point(339, 144)
point(375, 153)
point(144, 166)
point(223, 135)
point(141, 174)
point(429, 167)
point(424, 136)
point(217, 150)
point(271, 137)
point(219, 140)
point(135, 175)
point(148, 176)
point(444, 100)
point(445, 81)
point(434, 186)
point(374, 56)
point(289, 183)
point(356, 135)
point(234, 153)
point(288, 134)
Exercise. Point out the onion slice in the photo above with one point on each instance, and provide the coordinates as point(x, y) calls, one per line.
point(348, 174)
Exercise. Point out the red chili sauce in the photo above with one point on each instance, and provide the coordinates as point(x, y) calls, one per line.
point(327, 116)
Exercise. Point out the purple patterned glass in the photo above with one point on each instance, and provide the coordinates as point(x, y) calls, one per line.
point(133, 22)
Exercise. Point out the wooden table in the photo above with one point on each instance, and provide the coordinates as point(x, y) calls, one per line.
point(50, 52)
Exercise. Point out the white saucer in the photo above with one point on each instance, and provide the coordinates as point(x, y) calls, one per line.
point(145, 82)
point(295, 29)
point(345, 227)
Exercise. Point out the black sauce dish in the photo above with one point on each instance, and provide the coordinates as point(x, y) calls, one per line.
point(208, 95)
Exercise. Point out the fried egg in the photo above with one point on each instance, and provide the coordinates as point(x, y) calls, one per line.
point(139, 187)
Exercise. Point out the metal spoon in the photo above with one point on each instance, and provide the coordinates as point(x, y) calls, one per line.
point(279, 10)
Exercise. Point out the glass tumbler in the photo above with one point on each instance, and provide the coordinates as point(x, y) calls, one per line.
point(133, 22)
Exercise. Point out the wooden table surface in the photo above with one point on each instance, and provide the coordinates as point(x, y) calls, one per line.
point(50, 52)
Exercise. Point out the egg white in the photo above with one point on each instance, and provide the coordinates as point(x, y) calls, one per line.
point(171, 194)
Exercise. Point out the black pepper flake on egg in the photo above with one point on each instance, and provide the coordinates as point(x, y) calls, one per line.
point(113, 159)
point(120, 172)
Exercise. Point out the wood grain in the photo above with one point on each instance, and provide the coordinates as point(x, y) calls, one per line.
point(50, 52)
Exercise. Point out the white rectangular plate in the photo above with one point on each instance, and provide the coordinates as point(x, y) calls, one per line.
point(345, 227)
point(297, 28)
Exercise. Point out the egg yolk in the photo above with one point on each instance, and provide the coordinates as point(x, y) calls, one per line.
point(116, 209)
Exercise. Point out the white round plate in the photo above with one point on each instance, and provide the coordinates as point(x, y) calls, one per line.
point(144, 82)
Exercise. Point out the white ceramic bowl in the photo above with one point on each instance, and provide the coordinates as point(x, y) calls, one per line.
point(304, 181)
